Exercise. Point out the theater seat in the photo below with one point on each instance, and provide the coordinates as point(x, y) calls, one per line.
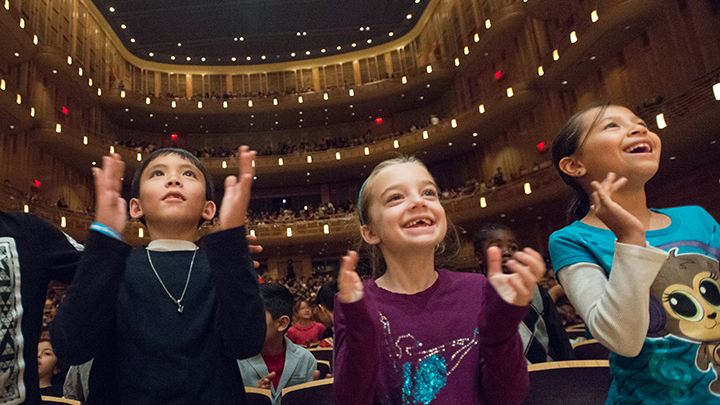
point(322, 353)
point(258, 396)
point(324, 368)
point(575, 382)
point(591, 350)
point(316, 393)
point(47, 400)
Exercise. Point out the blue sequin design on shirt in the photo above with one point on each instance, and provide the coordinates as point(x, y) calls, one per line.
point(423, 381)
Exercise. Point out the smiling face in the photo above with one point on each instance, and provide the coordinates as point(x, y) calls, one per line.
point(172, 190)
point(619, 142)
point(405, 212)
point(304, 311)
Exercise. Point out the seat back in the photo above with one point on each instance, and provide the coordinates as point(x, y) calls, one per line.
point(575, 382)
point(316, 393)
point(48, 400)
point(258, 396)
point(322, 353)
point(324, 368)
point(591, 350)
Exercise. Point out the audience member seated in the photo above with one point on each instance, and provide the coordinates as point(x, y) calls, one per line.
point(281, 363)
point(50, 370)
point(305, 332)
point(325, 300)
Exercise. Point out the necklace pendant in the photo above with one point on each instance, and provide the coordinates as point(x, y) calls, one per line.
point(180, 308)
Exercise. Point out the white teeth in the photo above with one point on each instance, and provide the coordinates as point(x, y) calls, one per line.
point(644, 146)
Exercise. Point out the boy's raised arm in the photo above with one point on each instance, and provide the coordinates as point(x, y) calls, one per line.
point(241, 312)
point(83, 321)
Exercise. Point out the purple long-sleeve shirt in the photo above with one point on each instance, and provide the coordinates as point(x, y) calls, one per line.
point(455, 343)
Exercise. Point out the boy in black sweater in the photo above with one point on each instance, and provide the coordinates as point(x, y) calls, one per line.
point(165, 324)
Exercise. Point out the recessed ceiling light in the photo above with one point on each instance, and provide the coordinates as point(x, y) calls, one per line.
point(242, 38)
point(203, 59)
point(172, 57)
point(322, 50)
point(179, 44)
point(151, 54)
point(338, 47)
point(292, 54)
point(353, 44)
point(304, 33)
point(409, 16)
point(188, 58)
point(390, 34)
point(123, 26)
point(112, 9)
point(132, 40)
point(369, 41)
point(236, 38)
point(233, 59)
point(367, 28)
point(307, 52)
point(362, 28)
point(262, 57)
point(298, 33)
point(248, 58)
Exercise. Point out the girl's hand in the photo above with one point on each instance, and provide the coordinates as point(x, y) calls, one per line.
point(350, 288)
point(237, 191)
point(626, 227)
point(516, 288)
point(111, 208)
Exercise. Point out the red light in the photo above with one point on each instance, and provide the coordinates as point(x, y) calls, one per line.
point(64, 110)
point(498, 74)
point(378, 120)
point(36, 183)
point(173, 137)
point(542, 145)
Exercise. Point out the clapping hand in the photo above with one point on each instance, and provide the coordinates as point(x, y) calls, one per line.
point(237, 191)
point(626, 227)
point(265, 382)
point(516, 288)
point(111, 208)
point(350, 288)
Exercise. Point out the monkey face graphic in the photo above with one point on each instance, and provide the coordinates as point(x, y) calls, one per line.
point(695, 307)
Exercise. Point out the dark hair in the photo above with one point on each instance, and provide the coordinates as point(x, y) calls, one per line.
point(445, 252)
point(326, 295)
point(209, 186)
point(278, 300)
point(566, 143)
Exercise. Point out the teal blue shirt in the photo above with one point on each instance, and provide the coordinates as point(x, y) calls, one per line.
point(680, 359)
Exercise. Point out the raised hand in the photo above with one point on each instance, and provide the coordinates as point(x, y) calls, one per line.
point(265, 381)
point(111, 208)
point(350, 288)
point(237, 191)
point(626, 227)
point(517, 288)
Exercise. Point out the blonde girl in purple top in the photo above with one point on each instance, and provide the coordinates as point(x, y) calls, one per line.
point(420, 335)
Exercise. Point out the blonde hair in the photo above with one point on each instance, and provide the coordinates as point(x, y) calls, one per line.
point(445, 252)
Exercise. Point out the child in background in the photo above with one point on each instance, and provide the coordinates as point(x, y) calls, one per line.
point(48, 370)
point(416, 334)
point(325, 299)
point(305, 331)
point(281, 363)
point(165, 324)
point(644, 280)
point(542, 332)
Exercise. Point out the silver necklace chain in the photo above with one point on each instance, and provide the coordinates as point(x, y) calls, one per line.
point(176, 301)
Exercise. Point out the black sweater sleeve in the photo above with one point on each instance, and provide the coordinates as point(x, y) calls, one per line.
point(84, 321)
point(559, 346)
point(60, 257)
point(241, 312)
